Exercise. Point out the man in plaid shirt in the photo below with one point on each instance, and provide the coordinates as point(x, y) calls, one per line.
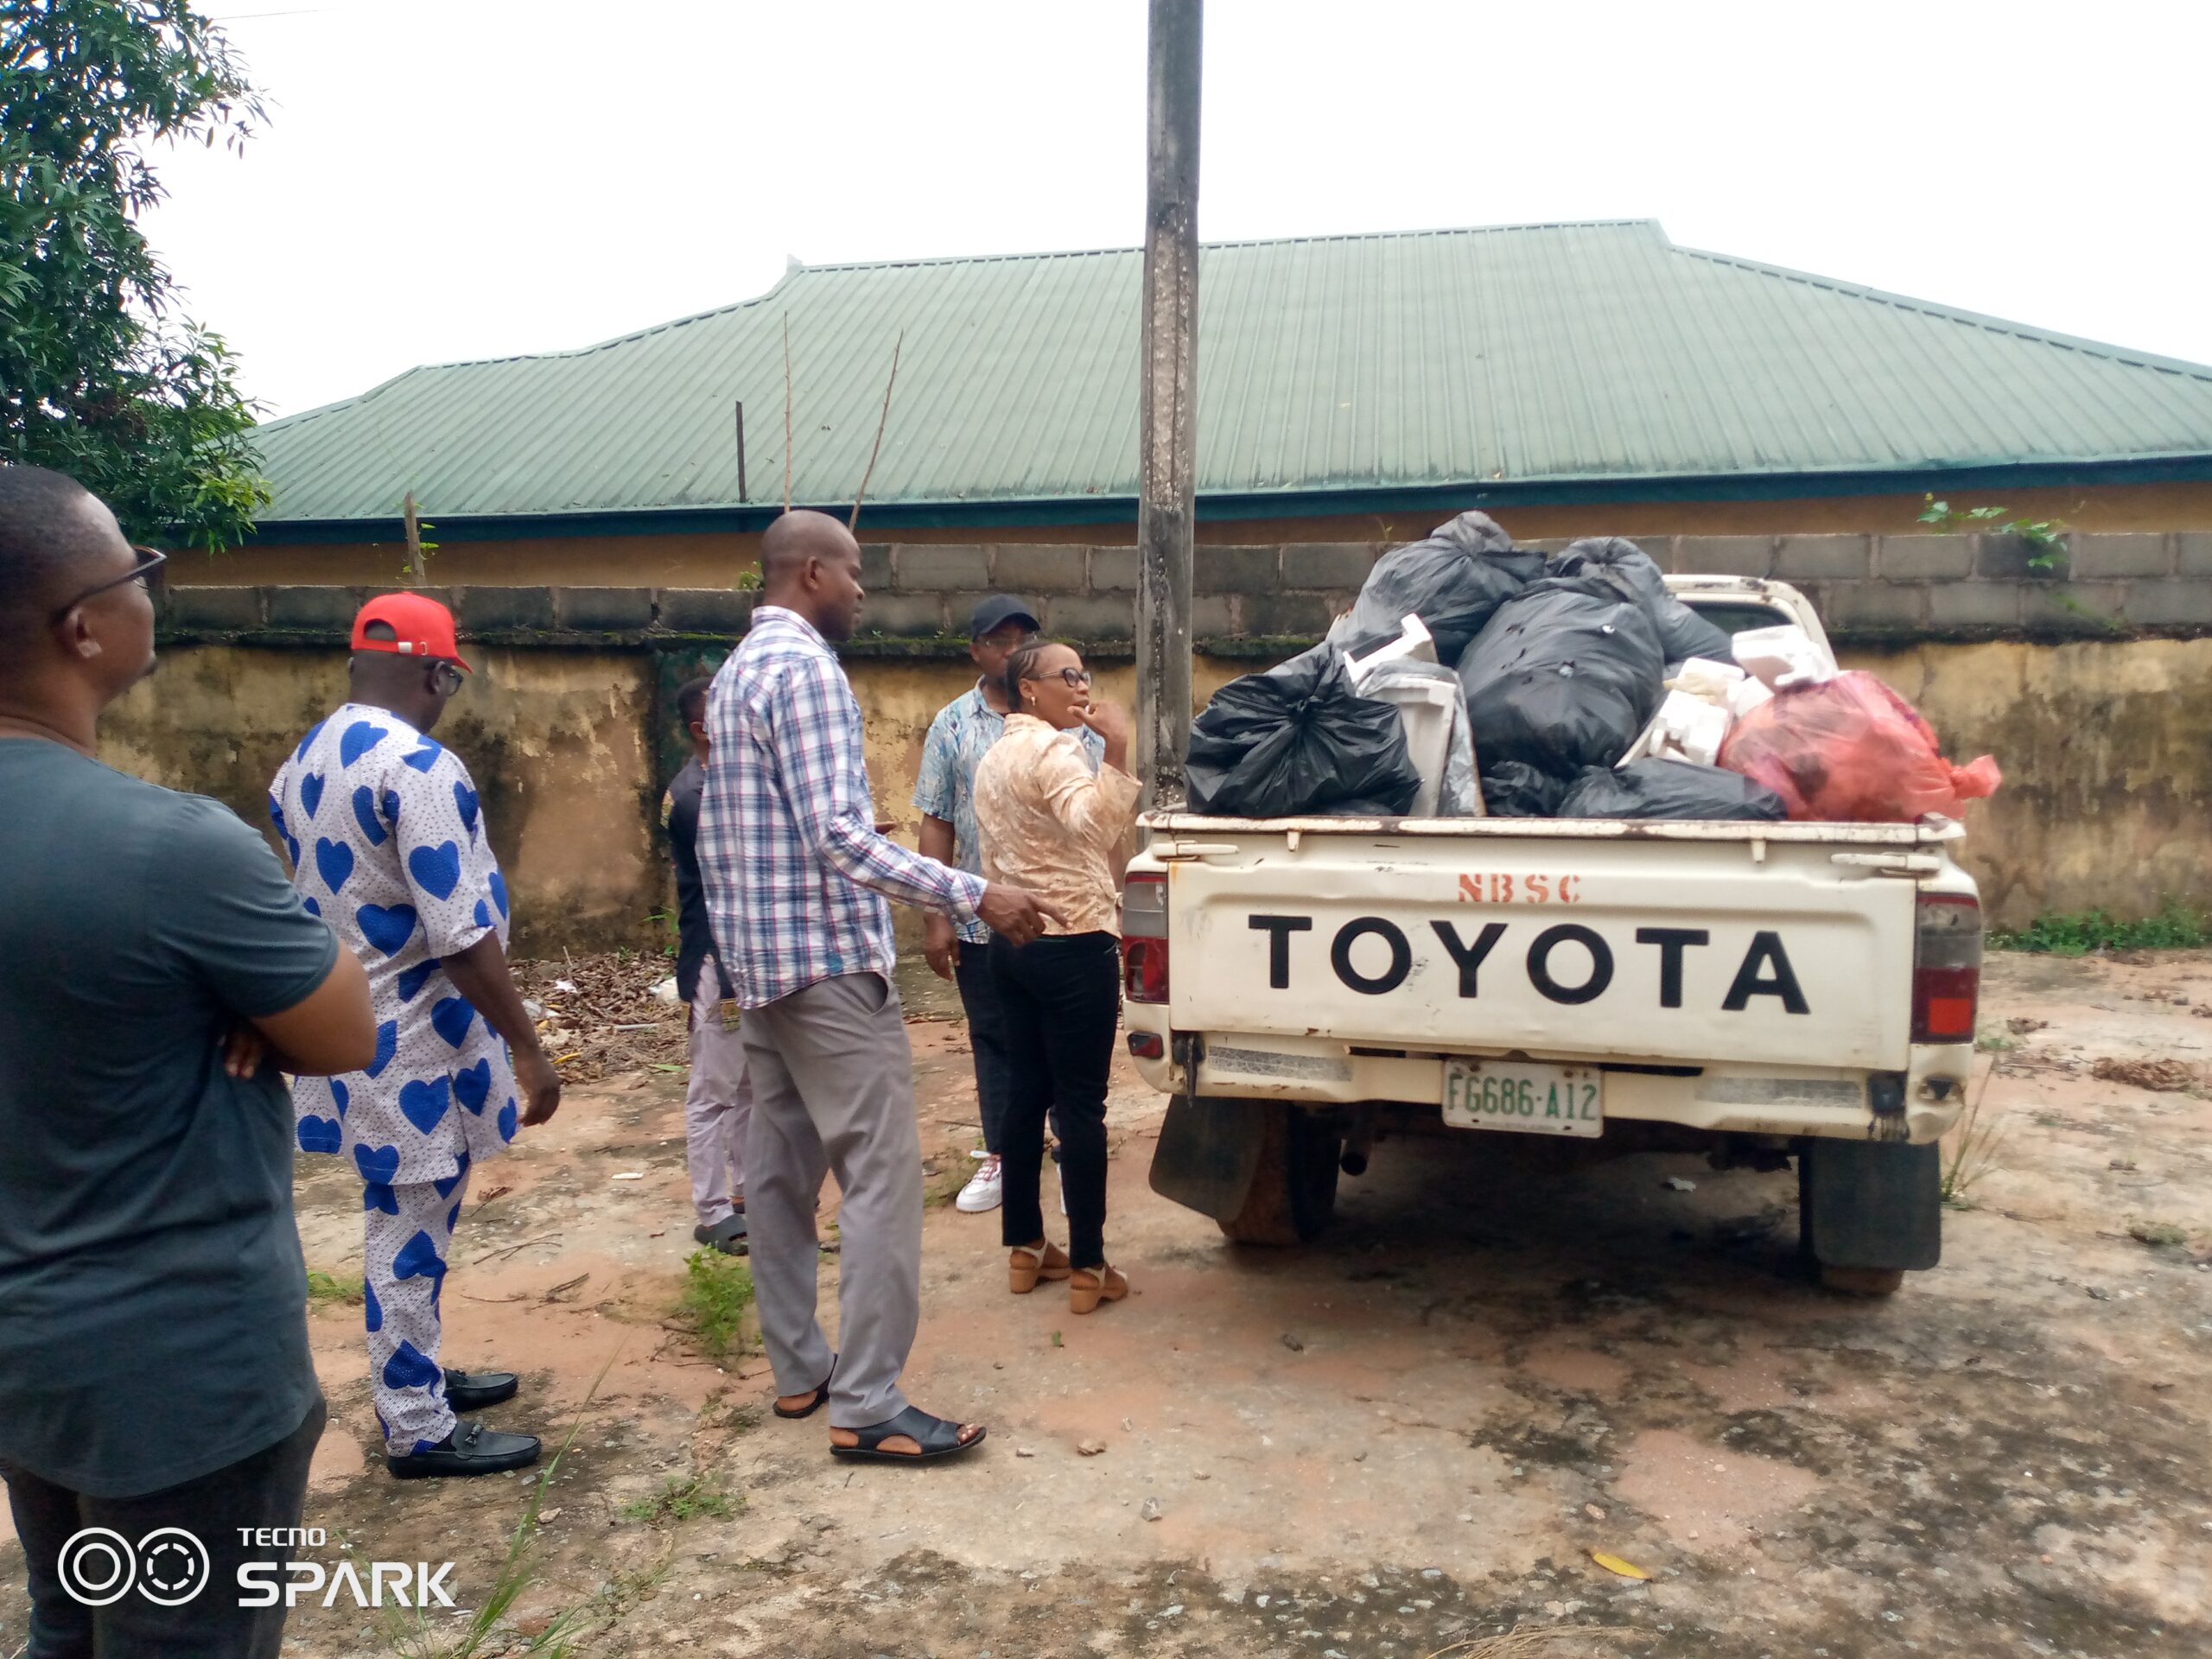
point(796, 878)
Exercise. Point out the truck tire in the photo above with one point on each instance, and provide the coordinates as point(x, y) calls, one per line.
point(1862, 1281)
point(1294, 1190)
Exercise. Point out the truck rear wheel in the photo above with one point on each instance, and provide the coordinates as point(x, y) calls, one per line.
point(1862, 1281)
point(1294, 1190)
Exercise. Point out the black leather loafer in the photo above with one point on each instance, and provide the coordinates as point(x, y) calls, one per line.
point(471, 1449)
point(726, 1234)
point(474, 1390)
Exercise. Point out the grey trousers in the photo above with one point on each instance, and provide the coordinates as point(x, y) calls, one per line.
point(833, 1089)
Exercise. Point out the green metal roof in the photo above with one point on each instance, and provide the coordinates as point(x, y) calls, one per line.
point(1333, 372)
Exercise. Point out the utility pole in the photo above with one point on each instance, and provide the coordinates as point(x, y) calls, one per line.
point(1166, 423)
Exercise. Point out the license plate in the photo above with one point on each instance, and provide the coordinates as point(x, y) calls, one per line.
point(1521, 1096)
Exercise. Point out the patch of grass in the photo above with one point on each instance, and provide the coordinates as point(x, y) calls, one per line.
point(2176, 927)
point(1975, 1145)
point(682, 1500)
point(1993, 1042)
point(2156, 1233)
point(717, 1293)
point(329, 1289)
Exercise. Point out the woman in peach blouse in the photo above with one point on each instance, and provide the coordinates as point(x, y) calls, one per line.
point(1048, 823)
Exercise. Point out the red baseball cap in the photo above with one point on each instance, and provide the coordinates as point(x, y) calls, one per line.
point(424, 627)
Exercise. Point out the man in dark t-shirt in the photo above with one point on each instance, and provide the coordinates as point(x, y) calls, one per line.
point(156, 970)
point(718, 1107)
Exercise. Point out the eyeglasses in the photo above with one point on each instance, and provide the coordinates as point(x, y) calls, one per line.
point(447, 677)
point(1077, 679)
point(146, 573)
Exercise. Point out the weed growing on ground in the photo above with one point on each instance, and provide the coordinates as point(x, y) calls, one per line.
point(327, 1289)
point(2174, 927)
point(682, 1499)
point(717, 1292)
point(2156, 1233)
point(1975, 1145)
point(1993, 1042)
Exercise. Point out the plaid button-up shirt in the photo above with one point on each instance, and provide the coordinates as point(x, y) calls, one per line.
point(796, 875)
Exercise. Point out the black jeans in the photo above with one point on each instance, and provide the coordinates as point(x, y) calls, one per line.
point(979, 996)
point(1061, 997)
point(267, 1489)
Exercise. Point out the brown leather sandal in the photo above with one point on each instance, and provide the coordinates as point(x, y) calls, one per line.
point(1027, 1263)
point(1087, 1287)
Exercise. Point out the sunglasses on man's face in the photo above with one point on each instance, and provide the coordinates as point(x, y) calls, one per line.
point(147, 573)
point(447, 677)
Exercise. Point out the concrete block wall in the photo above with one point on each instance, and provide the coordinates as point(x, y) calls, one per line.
point(1895, 590)
point(1250, 600)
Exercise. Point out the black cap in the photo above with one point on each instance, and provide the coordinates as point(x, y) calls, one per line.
point(996, 612)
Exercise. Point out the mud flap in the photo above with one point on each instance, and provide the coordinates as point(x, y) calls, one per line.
point(1209, 1150)
point(1872, 1203)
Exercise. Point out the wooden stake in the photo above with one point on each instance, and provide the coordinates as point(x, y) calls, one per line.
point(741, 451)
point(413, 540)
point(881, 421)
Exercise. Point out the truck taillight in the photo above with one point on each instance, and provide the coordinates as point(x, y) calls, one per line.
point(1947, 968)
point(1144, 939)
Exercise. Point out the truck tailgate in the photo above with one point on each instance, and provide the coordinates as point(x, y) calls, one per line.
point(1788, 945)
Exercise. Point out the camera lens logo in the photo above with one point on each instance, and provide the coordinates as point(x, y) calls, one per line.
point(99, 1566)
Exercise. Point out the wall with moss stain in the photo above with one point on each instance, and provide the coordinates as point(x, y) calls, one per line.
point(2106, 748)
point(557, 741)
point(2107, 755)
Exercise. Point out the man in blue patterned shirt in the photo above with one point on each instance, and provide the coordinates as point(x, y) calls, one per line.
point(959, 737)
point(388, 843)
point(796, 878)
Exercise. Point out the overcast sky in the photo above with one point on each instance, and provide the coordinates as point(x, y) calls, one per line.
point(450, 178)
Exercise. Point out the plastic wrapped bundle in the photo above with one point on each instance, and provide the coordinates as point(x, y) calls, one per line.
point(1514, 788)
point(1454, 581)
point(1662, 788)
point(1682, 633)
point(1299, 739)
point(1849, 750)
point(1565, 676)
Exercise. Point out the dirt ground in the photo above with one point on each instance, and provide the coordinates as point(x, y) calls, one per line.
point(1410, 1434)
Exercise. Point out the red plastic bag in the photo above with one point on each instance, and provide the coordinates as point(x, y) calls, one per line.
point(1851, 751)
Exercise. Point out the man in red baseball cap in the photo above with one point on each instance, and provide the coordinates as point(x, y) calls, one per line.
point(408, 625)
point(388, 845)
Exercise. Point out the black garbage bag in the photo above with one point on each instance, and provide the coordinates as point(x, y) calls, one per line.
point(1660, 787)
point(1514, 788)
point(1682, 633)
point(1565, 676)
point(1452, 581)
point(1297, 740)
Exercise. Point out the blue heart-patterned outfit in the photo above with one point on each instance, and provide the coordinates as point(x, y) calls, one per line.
point(387, 842)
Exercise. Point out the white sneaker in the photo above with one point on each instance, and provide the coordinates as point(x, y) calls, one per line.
point(984, 1188)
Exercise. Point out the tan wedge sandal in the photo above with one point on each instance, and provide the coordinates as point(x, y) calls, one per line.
point(1027, 1263)
point(1087, 1287)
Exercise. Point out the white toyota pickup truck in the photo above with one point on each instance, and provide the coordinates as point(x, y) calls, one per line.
point(1760, 991)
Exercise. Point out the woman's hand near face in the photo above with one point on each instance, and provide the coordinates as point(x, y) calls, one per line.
point(1111, 722)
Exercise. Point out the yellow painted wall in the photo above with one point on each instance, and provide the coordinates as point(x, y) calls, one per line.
point(693, 559)
point(2107, 749)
